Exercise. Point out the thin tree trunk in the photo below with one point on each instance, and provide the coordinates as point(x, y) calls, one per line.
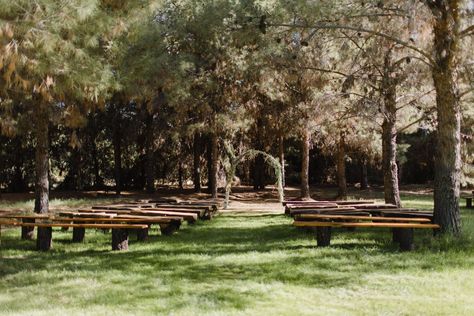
point(149, 153)
point(197, 162)
point(389, 136)
point(304, 186)
point(448, 150)
point(281, 155)
point(364, 179)
point(42, 159)
point(180, 175)
point(98, 181)
point(259, 161)
point(117, 142)
point(214, 165)
point(341, 168)
point(42, 173)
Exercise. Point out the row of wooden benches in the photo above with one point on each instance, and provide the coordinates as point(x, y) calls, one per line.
point(323, 216)
point(122, 218)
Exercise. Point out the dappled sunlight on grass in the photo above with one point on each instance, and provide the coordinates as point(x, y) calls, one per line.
point(240, 265)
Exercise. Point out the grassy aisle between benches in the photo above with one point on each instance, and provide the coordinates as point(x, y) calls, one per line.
point(240, 264)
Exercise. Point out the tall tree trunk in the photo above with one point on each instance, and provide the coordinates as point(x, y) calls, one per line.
point(117, 142)
point(197, 162)
point(281, 156)
point(43, 240)
point(180, 175)
point(259, 161)
point(389, 135)
point(304, 186)
point(214, 150)
point(149, 153)
point(448, 149)
point(42, 158)
point(341, 168)
point(364, 179)
point(92, 128)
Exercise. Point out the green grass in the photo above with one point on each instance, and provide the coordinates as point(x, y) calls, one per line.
point(246, 264)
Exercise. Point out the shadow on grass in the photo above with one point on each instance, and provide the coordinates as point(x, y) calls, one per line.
point(225, 251)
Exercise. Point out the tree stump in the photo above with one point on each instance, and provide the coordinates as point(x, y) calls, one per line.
point(78, 234)
point(142, 234)
point(119, 239)
point(169, 229)
point(323, 236)
point(44, 240)
point(405, 237)
point(27, 232)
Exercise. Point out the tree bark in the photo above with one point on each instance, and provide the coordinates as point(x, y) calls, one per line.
point(341, 168)
point(448, 150)
point(389, 135)
point(42, 158)
point(259, 161)
point(197, 162)
point(281, 156)
point(149, 153)
point(117, 142)
point(43, 240)
point(180, 174)
point(304, 186)
point(364, 179)
point(98, 181)
point(214, 150)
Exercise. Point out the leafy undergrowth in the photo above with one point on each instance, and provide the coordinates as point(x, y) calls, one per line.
point(245, 264)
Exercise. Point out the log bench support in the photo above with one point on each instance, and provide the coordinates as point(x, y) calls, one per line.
point(119, 239)
point(142, 234)
point(78, 234)
point(27, 232)
point(405, 238)
point(468, 202)
point(323, 236)
point(169, 229)
point(44, 240)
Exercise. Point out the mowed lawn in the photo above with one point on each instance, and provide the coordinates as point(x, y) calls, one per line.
point(241, 264)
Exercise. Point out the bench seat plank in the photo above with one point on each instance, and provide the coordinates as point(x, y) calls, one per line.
point(118, 220)
point(363, 218)
point(99, 226)
point(363, 224)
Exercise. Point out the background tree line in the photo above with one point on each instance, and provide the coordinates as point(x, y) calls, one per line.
point(126, 94)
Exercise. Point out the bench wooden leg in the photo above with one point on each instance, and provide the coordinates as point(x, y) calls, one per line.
point(395, 235)
point(207, 216)
point(468, 203)
point(142, 234)
point(78, 234)
point(27, 232)
point(44, 240)
point(405, 237)
point(119, 239)
point(323, 236)
point(169, 229)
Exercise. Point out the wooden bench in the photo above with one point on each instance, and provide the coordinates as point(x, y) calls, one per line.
point(190, 217)
point(402, 227)
point(204, 212)
point(468, 201)
point(45, 230)
point(168, 225)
